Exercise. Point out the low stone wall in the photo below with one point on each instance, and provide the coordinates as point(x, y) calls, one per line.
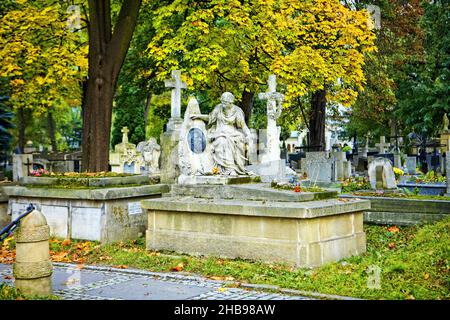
point(106, 215)
point(5, 219)
point(404, 212)
point(303, 234)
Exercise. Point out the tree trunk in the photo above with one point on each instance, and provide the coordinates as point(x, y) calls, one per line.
point(51, 131)
point(107, 52)
point(22, 126)
point(247, 104)
point(317, 120)
point(147, 110)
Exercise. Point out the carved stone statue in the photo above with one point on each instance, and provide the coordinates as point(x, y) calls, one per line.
point(150, 151)
point(228, 134)
point(445, 124)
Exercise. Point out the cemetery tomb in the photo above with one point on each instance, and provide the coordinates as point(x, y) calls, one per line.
point(93, 209)
point(255, 221)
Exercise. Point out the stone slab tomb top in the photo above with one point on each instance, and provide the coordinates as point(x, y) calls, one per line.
point(305, 210)
point(254, 191)
point(89, 194)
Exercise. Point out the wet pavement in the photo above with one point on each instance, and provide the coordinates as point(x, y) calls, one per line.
point(105, 283)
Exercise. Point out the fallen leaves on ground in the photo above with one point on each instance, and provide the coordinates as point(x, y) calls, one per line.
point(121, 266)
point(221, 278)
point(66, 243)
point(393, 229)
point(391, 245)
point(178, 267)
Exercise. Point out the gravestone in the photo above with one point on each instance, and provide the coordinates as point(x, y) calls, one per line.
point(411, 164)
point(318, 166)
point(383, 145)
point(274, 107)
point(252, 154)
point(341, 165)
point(381, 174)
point(125, 158)
point(193, 148)
point(170, 138)
point(22, 165)
point(175, 105)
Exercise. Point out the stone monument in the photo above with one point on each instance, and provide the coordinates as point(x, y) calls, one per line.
point(175, 105)
point(170, 138)
point(381, 174)
point(125, 158)
point(383, 145)
point(150, 152)
point(274, 108)
point(194, 150)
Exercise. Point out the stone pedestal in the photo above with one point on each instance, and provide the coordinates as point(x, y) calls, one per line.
point(170, 169)
point(300, 233)
point(33, 267)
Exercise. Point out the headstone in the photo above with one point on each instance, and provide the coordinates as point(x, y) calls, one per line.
point(175, 106)
point(318, 166)
point(340, 158)
point(22, 165)
point(397, 160)
point(125, 158)
point(411, 164)
point(383, 145)
point(274, 108)
point(193, 148)
point(381, 174)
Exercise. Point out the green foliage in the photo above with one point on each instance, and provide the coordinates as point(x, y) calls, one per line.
point(425, 92)
point(5, 125)
point(351, 185)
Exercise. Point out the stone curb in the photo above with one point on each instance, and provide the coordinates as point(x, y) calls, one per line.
point(262, 287)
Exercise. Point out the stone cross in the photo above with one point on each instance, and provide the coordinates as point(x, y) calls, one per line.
point(274, 104)
point(125, 131)
point(177, 85)
point(382, 145)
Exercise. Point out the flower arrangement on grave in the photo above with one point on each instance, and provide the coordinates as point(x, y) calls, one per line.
point(429, 177)
point(354, 184)
point(295, 184)
point(39, 173)
point(102, 174)
point(398, 173)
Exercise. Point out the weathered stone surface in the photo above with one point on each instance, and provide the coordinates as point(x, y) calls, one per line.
point(252, 191)
point(297, 233)
point(114, 215)
point(310, 209)
point(33, 261)
point(5, 218)
point(216, 180)
point(88, 182)
point(92, 194)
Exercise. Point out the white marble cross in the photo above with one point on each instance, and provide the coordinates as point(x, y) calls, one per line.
point(274, 102)
point(382, 145)
point(177, 85)
point(125, 131)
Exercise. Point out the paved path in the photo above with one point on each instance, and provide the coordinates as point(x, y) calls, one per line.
point(104, 283)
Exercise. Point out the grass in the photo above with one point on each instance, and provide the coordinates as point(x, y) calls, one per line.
point(413, 263)
point(400, 195)
point(10, 293)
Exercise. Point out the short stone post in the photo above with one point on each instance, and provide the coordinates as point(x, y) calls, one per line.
point(33, 267)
